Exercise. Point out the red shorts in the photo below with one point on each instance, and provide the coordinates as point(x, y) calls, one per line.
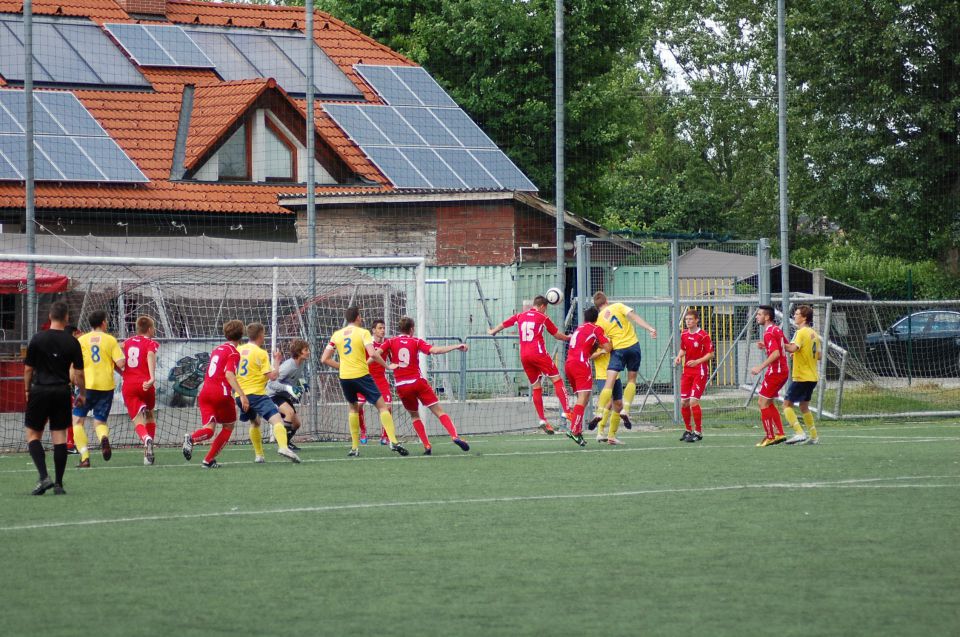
point(417, 393)
point(537, 366)
point(384, 386)
point(137, 400)
point(770, 388)
point(692, 385)
point(216, 408)
point(579, 375)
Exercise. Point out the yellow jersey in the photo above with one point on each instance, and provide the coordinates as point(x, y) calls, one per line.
point(351, 345)
point(100, 352)
point(253, 369)
point(805, 358)
point(600, 366)
point(617, 325)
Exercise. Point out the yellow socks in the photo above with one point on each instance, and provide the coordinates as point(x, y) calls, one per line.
point(807, 420)
point(603, 400)
point(256, 438)
point(280, 433)
point(102, 431)
point(354, 421)
point(628, 393)
point(614, 424)
point(81, 442)
point(386, 419)
point(791, 417)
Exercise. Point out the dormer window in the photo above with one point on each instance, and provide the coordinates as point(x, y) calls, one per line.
point(279, 154)
point(234, 156)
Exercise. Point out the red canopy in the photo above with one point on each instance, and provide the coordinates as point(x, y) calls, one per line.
point(13, 279)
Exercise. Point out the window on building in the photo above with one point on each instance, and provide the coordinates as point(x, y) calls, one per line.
point(280, 155)
point(234, 156)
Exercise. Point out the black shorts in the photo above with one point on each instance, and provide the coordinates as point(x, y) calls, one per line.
point(364, 386)
point(49, 403)
point(283, 398)
point(800, 391)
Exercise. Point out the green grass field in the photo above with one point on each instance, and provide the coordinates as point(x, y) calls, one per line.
point(524, 535)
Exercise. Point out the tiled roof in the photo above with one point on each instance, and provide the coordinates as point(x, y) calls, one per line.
point(97, 10)
point(215, 108)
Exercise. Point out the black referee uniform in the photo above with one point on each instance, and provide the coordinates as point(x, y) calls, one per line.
point(50, 355)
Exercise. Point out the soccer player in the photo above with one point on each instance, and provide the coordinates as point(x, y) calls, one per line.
point(101, 355)
point(805, 349)
point(71, 447)
point(285, 390)
point(583, 342)
point(773, 379)
point(533, 355)
point(53, 357)
point(696, 350)
point(611, 414)
point(379, 375)
point(216, 397)
point(616, 320)
point(412, 388)
point(139, 383)
point(353, 345)
point(253, 375)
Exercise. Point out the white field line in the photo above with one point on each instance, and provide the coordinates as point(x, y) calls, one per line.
point(570, 449)
point(850, 483)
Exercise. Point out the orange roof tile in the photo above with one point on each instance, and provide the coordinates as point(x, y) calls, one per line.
point(97, 10)
point(215, 108)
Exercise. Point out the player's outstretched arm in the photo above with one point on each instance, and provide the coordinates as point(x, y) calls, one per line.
point(328, 359)
point(636, 318)
point(445, 349)
point(373, 354)
point(493, 331)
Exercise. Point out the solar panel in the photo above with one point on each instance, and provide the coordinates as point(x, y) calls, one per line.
point(462, 127)
point(434, 168)
point(65, 51)
point(395, 166)
point(356, 125)
point(138, 43)
point(394, 127)
point(178, 45)
point(405, 85)
point(427, 126)
point(246, 54)
point(69, 143)
point(464, 164)
point(503, 170)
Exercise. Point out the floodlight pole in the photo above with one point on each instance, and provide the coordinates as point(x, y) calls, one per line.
point(559, 142)
point(782, 135)
point(28, 211)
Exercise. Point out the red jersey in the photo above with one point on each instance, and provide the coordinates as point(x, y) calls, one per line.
point(224, 358)
point(583, 341)
point(378, 371)
point(531, 324)
point(404, 351)
point(696, 345)
point(135, 350)
point(773, 341)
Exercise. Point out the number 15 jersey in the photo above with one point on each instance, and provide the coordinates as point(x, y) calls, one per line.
point(531, 324)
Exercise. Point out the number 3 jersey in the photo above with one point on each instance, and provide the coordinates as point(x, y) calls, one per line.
point(135, 350)
point(531, 325)
point(351, 345)
point(224, 358)
point(404, 351)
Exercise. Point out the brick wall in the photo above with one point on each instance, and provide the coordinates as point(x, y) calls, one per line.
point(374, 232)
point(144, 7)
point(477, 234)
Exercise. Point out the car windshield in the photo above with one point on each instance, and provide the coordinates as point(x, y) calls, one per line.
point(946, 322)
point(915, 323)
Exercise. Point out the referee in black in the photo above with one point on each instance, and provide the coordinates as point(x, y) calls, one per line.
point(46, 379)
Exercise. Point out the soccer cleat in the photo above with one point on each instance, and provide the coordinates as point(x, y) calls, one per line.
point(259, 459)
point(797, 439)
point(187, 446)
point(428, 451)
point(106, 449)
point(778, 439)
point(289, 455)
point(399, 449)
point(625, 420)
point(462, 444)
point(686, 436)
point(148, 452)
point(354, 453)
point(84, 464)
point(43, 486)
point(213, 464)
point(58, 489)
point(292, 447)
point(545, 427)
point(691, 438)
point(363, 441)
point(577, 438)
point(765, 442)
point(614, 441)
point(601, 438)
point(592, 424)
point(697, 436)
point(384, 440)
point(812, 441)
point(73, 451)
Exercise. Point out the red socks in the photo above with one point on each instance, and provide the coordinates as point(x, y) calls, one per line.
point(697, 417)
point(576, 428)
point(152, 429)
point(142, 432)
point(448, 425)
point(363, 424)
point(70, 442)
point(421, 432)
point(218, 443)
point(775, 418)
point(766, 417)
point(538, 401)
point(201, 434)
point(685, 412)
point(561, 394)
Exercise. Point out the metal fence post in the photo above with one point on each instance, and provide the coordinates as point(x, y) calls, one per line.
point(675, 329)
point(583, 275)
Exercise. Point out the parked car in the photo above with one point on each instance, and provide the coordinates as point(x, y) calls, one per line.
point(933, 336)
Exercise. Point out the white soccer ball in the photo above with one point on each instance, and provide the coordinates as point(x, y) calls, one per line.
point(554, 296)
